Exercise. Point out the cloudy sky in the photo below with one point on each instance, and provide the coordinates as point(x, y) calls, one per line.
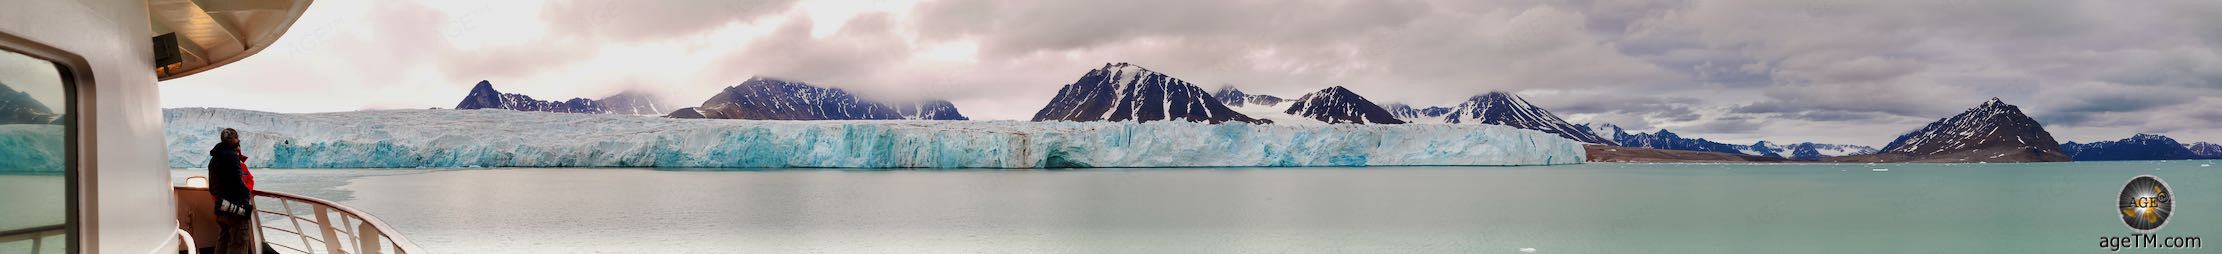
point(1851, 71)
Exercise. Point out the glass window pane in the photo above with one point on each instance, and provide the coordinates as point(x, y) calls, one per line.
point(33, 152)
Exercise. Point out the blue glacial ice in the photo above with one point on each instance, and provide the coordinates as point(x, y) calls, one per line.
point(502, 138)
point(31, 148)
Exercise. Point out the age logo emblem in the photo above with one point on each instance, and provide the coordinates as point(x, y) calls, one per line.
point(2146, 202)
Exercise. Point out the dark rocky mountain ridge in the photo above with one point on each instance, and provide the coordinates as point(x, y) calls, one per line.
point(2136, 147)
point(18, 107)
point(1338, 105)
point(1125, 92)
point(763, 98)
point(1500, 108)
point(1991, 132)
point(484, 96)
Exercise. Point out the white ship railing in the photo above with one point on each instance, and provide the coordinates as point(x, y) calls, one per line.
point(36, 235)
point(300, 224)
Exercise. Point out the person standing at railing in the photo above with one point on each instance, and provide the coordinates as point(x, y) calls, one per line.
point(230, 184)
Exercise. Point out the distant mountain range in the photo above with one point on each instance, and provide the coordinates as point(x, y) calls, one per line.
point(1668, 140)
point(1991, 132)
point(483, 96)
point(1417, 115)
point(19, 108)
point(2137, 147)
point(762, 98)
point(2205, 150)
point(1232, 97)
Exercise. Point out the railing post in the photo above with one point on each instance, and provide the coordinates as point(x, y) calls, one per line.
point(297, 231)
point(366, 237)
point(324, 224)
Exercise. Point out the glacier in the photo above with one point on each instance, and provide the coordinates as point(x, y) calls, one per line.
point(31, 148)
point(506, 138)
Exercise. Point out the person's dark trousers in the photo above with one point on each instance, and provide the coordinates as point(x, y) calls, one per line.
point(235, 234)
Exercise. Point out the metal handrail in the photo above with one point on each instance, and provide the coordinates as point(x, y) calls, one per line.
point(37, 236)
point(325, 224)
point(332, 234)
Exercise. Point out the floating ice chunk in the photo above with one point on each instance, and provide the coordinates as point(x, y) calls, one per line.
point(503, 138)
point(1880, 170)
point(1527, 250)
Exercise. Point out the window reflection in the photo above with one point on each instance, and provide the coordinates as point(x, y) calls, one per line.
point(33, 154)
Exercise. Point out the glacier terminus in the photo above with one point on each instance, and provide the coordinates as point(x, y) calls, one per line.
point(505, 138)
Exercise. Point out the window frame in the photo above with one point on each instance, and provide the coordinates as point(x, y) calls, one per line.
point(78, 161)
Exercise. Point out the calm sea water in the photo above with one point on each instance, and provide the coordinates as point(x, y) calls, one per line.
point(1627, 208)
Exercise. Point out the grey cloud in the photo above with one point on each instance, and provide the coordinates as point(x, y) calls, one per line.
point(648, 20)
point(1724, 125)
point(1721, 67)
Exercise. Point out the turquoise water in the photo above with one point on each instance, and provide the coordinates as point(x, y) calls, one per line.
point(1594, 208)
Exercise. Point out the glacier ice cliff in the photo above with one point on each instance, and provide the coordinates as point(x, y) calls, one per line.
point(505, 138)
point(31, 148)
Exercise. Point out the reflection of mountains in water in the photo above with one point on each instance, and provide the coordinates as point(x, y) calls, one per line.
point(18, 108)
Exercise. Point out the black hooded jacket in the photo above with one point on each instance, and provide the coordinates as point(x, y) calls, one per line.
point(224, 174)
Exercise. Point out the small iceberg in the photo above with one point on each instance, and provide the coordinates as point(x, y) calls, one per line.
point(1880, 170)
point(2206, 165)
point(1527, 250)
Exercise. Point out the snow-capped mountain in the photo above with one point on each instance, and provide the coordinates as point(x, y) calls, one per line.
point(1336, 105)
point(1816, 151)
point(928, 110)
point(483, 96)
point(1762, 148)
point(1500, 108)
point(2205, 150)
point(1664, 139)
point(1419, 115)
point(1232, 97)
point(634, 103)
point(1126, 92)
point(1992, 132)
point(1669, 140)
point(18, 108)
point(762, 98)
point(2139, 147)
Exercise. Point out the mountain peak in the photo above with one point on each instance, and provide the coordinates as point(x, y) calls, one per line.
point(1494, 95)
point(1995, 128)
point(2151, 137)
point(767, 98)
point(1501, 108)
point(1338, 105)
point(1230, 96)
point(483, 96)
point(1124, 92)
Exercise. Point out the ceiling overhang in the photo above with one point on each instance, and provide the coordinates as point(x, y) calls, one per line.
point(212, 33)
